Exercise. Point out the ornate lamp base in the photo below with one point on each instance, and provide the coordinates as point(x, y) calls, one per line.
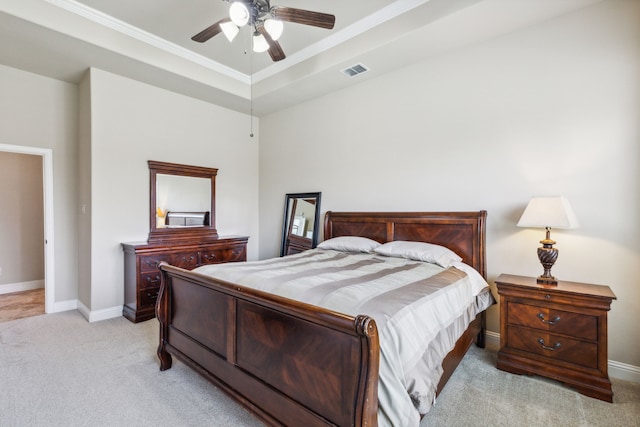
point(547, 255)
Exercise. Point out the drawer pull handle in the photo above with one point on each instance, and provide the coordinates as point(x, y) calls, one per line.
point(553, 321)
point(152, 295)
point(546, 347)
point(153, 263)
point(153, 280)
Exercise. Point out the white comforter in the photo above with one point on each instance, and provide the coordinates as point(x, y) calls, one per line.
point(418, 320)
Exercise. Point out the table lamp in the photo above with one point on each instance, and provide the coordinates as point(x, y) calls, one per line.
point(548, 213)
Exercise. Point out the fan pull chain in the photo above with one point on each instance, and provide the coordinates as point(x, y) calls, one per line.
point(251, 94)
point(249, 43)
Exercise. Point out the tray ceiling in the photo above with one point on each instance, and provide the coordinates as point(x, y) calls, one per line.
point(150, 41)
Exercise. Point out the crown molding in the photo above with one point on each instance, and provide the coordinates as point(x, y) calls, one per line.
point(359, 27)
point(122, 27)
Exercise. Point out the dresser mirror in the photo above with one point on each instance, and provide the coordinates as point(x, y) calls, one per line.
point(301, 222)
point(181, 194)
point(182, 202)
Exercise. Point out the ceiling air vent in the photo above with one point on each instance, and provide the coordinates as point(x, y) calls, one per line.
point(355, 70)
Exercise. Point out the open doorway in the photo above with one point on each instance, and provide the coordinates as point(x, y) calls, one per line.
point(43, 230)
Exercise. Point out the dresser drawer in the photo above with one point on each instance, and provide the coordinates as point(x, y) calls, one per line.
point(186, 260)
point(232, 254)
point(148, 296)
point(556, 347)
point(150, 280)
point(557, 321)
point(149, 263)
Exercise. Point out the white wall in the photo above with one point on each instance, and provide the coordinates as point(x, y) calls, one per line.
point(131, 123)
point(549, 110)
point(40, 112)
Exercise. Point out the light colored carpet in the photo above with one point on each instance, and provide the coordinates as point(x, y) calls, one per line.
point(478, 394)
point(60, 370)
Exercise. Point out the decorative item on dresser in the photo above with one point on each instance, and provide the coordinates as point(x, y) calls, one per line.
point(559, 332)
point(182, 232)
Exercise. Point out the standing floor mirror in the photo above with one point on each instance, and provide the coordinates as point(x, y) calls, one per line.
point(301, 222)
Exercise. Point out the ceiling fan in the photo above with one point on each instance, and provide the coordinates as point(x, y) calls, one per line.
point(266, 21)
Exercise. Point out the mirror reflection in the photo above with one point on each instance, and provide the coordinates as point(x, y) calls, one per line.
point(301, 219)
point(182, 201)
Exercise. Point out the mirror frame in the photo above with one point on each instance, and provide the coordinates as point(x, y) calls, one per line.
point(187, 234)
point(290, 202)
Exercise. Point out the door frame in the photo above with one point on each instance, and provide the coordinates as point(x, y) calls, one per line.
point(47, 187)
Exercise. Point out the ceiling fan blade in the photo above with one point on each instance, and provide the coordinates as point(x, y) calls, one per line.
point(305, 17)
point(275, 51)
point(210, 31)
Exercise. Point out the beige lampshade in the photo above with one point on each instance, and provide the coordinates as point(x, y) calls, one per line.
point(552, 212)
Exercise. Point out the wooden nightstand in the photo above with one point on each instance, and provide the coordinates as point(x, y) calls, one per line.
point(559, 332)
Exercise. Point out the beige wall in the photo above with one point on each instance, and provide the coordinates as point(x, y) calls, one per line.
point(549, 110)
point(40, 112)
point(102, 133)
point(84, 192)
point(131, 123)
point(21, 219)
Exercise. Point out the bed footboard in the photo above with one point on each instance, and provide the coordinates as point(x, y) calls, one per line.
point(288, 362)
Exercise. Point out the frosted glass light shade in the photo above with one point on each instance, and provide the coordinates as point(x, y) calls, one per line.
point(274, 28)
point(239, 13)
point(260, 43)
point(551, 212)
point(230, 30)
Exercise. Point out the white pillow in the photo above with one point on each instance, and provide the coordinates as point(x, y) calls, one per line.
point(419, 251)
point(350, 244)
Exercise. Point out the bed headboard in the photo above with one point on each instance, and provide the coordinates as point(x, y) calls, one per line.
point(462, 232)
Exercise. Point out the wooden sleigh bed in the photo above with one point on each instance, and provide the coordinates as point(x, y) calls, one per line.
point(293, 363)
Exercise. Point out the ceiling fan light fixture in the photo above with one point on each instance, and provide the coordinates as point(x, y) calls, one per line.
point(259, 43)
point(230, 30)
point(266, 23)
point(239, 13)
point(274, 27)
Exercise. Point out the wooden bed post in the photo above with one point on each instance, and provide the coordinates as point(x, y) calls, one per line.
point(366, 327)
point(162, 313)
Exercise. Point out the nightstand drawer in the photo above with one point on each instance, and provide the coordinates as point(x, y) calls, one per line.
point(556, 321)
point(553, 346)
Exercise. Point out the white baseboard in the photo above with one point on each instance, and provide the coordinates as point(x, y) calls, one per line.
point(86, 313)
point(98, 315)
point(21, 286)
point(71, 304)
point(492, 339)
point(621, 371)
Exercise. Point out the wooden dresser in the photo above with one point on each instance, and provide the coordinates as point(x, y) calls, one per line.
point(559, 332)
point(142, 277)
